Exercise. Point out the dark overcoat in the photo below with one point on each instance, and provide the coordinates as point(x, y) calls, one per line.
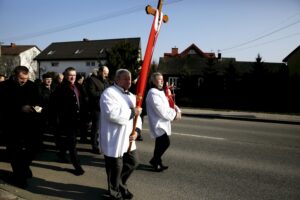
point(19, 125)
point(68, 109)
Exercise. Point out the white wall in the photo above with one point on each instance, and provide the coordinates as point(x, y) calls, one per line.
point(26, 59)
point(79, 65)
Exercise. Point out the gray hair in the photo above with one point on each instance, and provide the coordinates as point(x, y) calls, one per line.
point(154, 75)
point(120, 72)
point(101, 68)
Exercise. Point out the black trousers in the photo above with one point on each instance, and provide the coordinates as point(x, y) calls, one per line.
point(22, 139)
point(21, 155)
point(21, 146)
point(162, 143)
point(67, 142)
point(95, 129)
point(118, 171)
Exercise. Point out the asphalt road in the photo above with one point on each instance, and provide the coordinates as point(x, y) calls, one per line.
point(209, 159)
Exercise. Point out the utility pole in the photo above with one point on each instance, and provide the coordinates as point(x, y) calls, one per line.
point(1, 54)
point(0, 49)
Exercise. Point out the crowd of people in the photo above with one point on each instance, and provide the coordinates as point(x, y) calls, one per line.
point(70, 106)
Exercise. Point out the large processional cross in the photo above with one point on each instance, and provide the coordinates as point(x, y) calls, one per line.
point(142, 81)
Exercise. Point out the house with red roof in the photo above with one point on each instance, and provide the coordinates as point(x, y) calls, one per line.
point(206, 80)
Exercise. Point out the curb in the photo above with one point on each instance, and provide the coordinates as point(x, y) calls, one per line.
point(216, 116)
point(243, 116)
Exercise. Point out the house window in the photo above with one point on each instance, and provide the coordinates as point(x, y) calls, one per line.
point(54, 64)
point(192, 51)
point(90, 63)
point(51, 52)
point(173, 81)
point(101, 51)
point(78, 51)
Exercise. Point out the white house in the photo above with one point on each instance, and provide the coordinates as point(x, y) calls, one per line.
point(13, 55)
point(84, 56)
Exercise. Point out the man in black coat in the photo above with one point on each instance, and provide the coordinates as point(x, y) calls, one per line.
point(20, 109)
point(69, 102)
point(95, 85)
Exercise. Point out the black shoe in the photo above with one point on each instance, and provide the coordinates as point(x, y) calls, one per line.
point(152, 162)
point(116, 196)
point(164, 167)
point(156, 167)
point(76, 172)
point(127, 195)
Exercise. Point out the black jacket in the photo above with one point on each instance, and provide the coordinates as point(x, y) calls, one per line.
point(94, 88)
point(65, 105)
point(17, 123)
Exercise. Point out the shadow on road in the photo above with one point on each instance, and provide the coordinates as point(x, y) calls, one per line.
point(59, 190)
point(47, 159)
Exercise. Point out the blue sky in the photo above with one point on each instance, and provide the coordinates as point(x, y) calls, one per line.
point(236, 28)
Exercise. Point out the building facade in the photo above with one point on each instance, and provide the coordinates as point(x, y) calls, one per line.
point(204, 80)
point(84, 56)
point(13, 55)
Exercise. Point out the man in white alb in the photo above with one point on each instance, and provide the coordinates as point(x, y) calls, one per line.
point(117, 114)
point(160, 115)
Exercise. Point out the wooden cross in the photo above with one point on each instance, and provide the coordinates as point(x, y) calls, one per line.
point(152, 11)
point(141, 85)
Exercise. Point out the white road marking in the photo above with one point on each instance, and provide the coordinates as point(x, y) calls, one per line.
point(200, 136)
point(197, 136)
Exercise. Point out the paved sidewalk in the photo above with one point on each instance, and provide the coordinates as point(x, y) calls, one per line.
point(241, 115)
point(5, 195)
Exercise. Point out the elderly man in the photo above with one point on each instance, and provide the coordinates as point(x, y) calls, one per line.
point(160, 115)
point(117, 114)
point(95, 85)
point(20, 107)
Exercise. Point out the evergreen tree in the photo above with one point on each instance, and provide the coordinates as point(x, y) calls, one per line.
point(123, 55)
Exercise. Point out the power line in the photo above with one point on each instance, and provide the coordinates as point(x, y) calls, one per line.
point(75, 24)
point(81, 23)
point(275, 40)
point(263, 36)
point(279, 24)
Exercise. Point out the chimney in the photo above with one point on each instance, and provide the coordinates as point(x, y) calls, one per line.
point(174, 51)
